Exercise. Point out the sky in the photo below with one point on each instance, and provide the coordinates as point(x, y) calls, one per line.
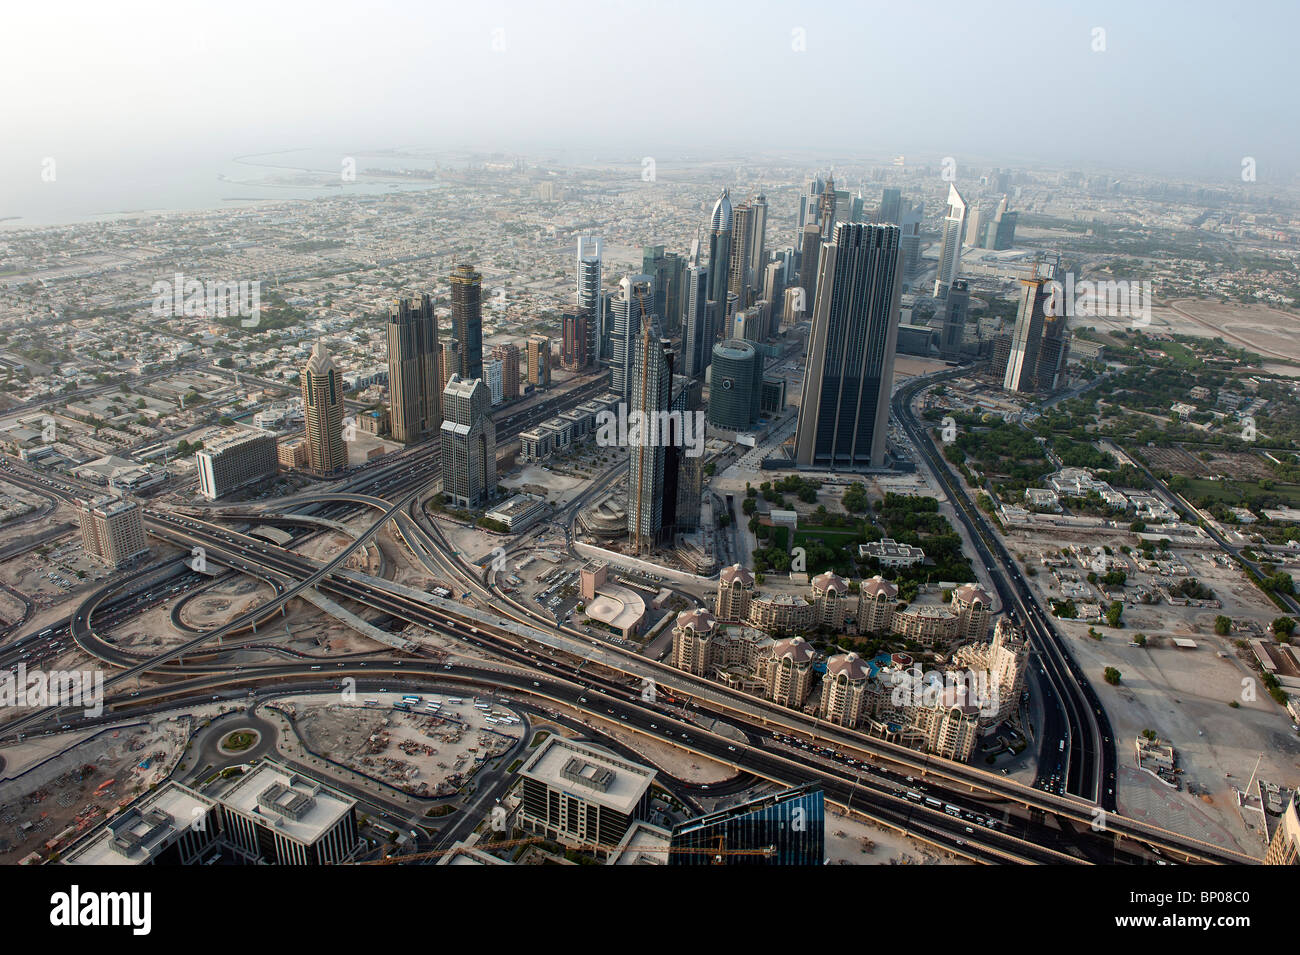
point(1186, 88)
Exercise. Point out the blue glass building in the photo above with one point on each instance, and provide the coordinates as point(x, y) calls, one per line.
point(786, 828)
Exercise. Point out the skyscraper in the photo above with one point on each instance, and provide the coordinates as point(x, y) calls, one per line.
point(758, 242)
point(954, 225)
point(467, 319)
point(826, 209)
point(573, 323)
point(1002, 230)
point(774, 294)
point(742, 236)
point(785, 828)
point(845, 409)
point(414, 390)
point(955, 308)
point(539, 361)
point(720, 249)
point(508, 355)
point(590, 296)
point(651, 395)
point(808, 261)
point(891, 207)
point(666, 270)
point(469, 455)
point(634, 301)
point(322, 410)
point(1037, 343)
point(698, 335)
point(909, 241)
point(809, 206)
point(448, 364)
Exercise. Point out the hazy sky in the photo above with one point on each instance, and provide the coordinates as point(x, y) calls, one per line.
point(1183, 86)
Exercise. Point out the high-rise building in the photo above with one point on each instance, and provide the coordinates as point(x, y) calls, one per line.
point(809, 208)
point(735, 592)
point(736, 383)
point(698, 335)
point(808, 262)
point(235, 460)
point(634, 301)
point(668, 270)
point(844, 689)
point(508, 355)
point(955, 308)
point(539, 361)
point(590, 296)
point(975, 222)
point(650, 389)
point(688, 472)
point(112, 530)
point(826, 209)
point(1038, 346)
point(720, 249)
point(785, 828)
point(891, 207)
point(1002, 230)
point(773, 293)
point(573, 324)
point(749, 325)
point(413, 380)
point(322, 411)
point(739, 278)
point(275, 814)
point(844, 413)
point(954, 228)
point(448, 364)
point(492, 375)
point(758, 242)
point(1284, 847)
point(909, 240)
point(467, 319)
point(469, 443)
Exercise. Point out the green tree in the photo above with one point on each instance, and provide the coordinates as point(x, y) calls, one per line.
point(1222, 625)
point(1112, 676)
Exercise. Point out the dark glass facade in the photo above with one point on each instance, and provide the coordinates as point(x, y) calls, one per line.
point(787, 828)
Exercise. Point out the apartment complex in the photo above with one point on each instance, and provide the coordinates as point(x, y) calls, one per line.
point(112, 530)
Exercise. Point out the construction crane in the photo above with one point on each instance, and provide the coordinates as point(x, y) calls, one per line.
point(718, 851)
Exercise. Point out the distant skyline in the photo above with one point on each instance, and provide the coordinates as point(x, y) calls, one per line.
point(155, 92)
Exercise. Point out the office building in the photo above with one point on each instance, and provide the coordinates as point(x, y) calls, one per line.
point(955, 308)
point(954, 230)
point(170, 825)
point(1001, 233)
point(582, 795)
point(322, 409)
point(448, 362)
point(975, 222)
point(809, 208)
point(809, 261)
point(590, 295)
point(891, 207)
point(739, 280)
point(736, 383)
point(539, 361)
point(667, 270)
point(112, 530)
point(234, 460)
point(830, 201)
point(909, 241)
point(508, 355)
point(469, 444)
point(492, 376)
point(651, 394)
point(844, 412)
point(720, 249)
point(785, 828)
point(414, 388)
point(758, 241)
point(1038, 346)
point(467, 319)
point(279, 816)
point(628, 309)
point(698, 334)
point(773, 292)
point(573, 324)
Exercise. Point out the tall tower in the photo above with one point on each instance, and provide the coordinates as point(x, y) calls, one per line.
point(742, 235)
point(758, 242)
point(698, 335)
point(809, 202)
point(808, 261)
point(720, 249)
point(651, 396)
point(539, 361)
point(469, 442)
point(954, 224)
point(414, 390)
point(1026, 338)
point(467, 319)
point(844, 413)
point(573, 324)
point(826, 209)
point(590, 297)
point(508, 355)
point(891, 207)
point(635, 298)
point(955, 308)
point(322, 410)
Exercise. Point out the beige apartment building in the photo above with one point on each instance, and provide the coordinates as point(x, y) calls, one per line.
point(112, 530)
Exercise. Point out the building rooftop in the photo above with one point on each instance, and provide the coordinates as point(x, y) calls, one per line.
point(590, 773)
point(300, 807)
point(144, 828)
